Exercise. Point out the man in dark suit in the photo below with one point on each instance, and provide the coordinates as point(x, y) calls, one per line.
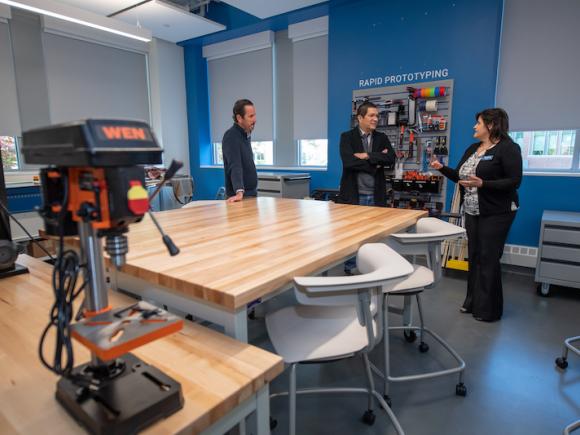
point(365, 153)
point(240, 171)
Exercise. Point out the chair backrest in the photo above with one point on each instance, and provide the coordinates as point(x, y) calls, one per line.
point(425, 238)
point(379, 266)
point(221, 193)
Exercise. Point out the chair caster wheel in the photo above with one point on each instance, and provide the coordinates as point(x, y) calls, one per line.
point(369, 417)
point(273, 423)
point(410, 336)
point(461, 389)
point(562, 363)
point(388, 400)
point(252, 315)
point(423, 347)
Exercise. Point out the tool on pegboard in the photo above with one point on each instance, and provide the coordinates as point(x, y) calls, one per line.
point(441, 150)
point(427, 154)
point(428, 106)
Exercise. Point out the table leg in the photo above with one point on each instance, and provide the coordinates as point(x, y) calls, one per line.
point(236, 325)
point(263, 411)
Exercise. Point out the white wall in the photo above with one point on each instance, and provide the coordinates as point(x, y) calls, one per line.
point(168, 102)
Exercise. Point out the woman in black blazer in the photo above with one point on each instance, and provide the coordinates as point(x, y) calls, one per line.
point(489, 174)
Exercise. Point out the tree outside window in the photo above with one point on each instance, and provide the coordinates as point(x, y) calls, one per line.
point(9, 150)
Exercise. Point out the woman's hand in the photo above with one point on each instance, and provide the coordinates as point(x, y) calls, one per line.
point(472, 181)
point(435, 164)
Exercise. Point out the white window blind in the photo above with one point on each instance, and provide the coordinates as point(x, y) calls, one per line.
point(92, 80)
point(241, 70)
point(310, 79)
point(9, 114)
point(539, 64)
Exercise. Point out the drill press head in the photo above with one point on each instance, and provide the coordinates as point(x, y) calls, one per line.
point(95, 167)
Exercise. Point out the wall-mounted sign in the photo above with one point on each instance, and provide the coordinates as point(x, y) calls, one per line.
point(389, 80)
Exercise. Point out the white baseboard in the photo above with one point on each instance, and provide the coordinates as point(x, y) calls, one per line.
point(518, 255)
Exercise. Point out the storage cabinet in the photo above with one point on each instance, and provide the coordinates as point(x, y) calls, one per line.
point(559, 250)
point(284, 185)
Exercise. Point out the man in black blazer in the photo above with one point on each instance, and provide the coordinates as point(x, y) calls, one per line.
point(365, 153)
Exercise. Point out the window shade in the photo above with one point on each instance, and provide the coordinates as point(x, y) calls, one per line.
point(246, 75)
point(9, 114)
point(539, 64)
point(92, 80)
point(310, 84)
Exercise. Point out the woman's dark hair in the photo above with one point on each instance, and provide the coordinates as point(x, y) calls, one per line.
point(364, 108)
point(240, 108)
point(497, 122)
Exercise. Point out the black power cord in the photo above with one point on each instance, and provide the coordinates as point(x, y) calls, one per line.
point(64, 281)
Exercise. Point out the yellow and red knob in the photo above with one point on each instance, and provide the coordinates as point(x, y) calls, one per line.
point(138, 198)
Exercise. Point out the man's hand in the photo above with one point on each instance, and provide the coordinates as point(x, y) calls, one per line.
point(237, 197)
point(362, 156)
point(472, 181)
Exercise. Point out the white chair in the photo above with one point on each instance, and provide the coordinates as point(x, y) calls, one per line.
point(425, 240)
point(562, 361)
point(572, 427)
point(337, 318)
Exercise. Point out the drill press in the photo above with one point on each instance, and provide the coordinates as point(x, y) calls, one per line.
point(94, 187)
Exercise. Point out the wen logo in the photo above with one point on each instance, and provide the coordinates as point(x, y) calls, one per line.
point(124, 133)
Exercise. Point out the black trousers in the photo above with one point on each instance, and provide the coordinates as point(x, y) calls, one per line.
point(486, 238)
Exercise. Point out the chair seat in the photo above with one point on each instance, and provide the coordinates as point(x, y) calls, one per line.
point(307, 333)
point(420, 278)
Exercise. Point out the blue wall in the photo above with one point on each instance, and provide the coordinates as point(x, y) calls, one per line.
point(373, 38)
point(208, 180)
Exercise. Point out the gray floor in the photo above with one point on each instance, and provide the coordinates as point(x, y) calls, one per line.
point(513, 385)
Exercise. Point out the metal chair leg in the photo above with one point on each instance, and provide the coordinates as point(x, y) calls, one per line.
point(292, 400)
point(423, 347)
point(370, 381)
point(386, 350)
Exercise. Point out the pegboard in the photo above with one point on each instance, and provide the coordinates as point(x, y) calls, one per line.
point(418, 125)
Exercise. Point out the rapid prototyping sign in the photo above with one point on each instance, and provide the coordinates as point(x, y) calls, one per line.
point(389, 80)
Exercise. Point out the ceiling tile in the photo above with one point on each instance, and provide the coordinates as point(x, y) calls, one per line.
point(169, 22)
point(264, 9)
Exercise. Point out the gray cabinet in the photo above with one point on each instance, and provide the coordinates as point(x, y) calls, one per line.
point(559, 251)
point(283, 185)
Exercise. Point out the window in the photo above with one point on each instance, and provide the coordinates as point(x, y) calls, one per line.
point(285, 74)
point(549, 151)
point(218, 156)
point(9, 149)
point(313, 152)
point(539, 143)
point(263, 153)
point(568, 139)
